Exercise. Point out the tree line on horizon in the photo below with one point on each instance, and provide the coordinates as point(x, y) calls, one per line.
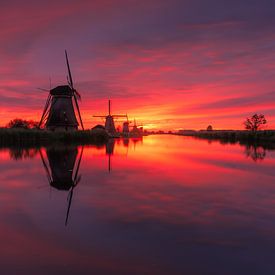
point(253, 123)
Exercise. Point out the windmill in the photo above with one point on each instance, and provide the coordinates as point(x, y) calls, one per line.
point(109, 120)
point(137, 129)
point(125, 127)
point(59, 111)
point(62, 170)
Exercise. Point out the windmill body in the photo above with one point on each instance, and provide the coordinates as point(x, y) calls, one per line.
point(61, 112)
point(110, 124)
point(125, 128)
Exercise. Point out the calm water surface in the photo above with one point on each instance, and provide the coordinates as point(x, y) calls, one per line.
point(161, 205)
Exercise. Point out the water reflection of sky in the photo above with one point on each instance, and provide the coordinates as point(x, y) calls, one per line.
point(168, 205)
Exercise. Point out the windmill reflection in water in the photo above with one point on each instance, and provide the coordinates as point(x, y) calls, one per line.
point(110, 146)
point(62, 169)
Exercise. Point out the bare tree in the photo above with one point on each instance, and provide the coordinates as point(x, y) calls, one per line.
point(255, 122)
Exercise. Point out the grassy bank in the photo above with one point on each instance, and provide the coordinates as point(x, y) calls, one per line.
point(265, 138)
point(22, 137)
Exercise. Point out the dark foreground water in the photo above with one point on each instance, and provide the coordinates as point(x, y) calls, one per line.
point(161, 205)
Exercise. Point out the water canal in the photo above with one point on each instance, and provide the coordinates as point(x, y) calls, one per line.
point(157, 205)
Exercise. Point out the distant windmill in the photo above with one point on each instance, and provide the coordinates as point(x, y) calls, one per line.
point(125, 127)
point(59, 108)
point(109, 120)
point(137, 129)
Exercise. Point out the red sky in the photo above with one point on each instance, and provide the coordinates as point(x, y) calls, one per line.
point(169, 64)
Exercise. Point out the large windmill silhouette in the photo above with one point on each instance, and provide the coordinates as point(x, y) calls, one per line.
point(109, 120)
point(59, 108)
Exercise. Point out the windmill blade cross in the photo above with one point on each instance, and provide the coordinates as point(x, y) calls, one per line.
point(76, 180)
point(42, 89)
point(45, 110)
point(78, 165)
point(45, 167)
point(78, 111)
point(119, 116)
point(69, 70)
point(77, 94)
point(70, 196)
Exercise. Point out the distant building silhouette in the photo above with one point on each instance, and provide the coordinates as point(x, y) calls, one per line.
point(209, 128)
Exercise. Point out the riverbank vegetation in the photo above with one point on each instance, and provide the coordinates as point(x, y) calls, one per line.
point(252, 135)
point(36, 137)
point(265, 137)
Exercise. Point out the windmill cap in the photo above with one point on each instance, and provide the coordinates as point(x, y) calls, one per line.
point(62, 90)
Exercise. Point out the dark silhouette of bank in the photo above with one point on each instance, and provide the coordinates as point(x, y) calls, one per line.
point(37, 138)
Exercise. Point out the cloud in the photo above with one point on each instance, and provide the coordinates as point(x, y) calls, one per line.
point(253, 100)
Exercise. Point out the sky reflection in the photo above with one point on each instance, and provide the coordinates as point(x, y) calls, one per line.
point(166, 203)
